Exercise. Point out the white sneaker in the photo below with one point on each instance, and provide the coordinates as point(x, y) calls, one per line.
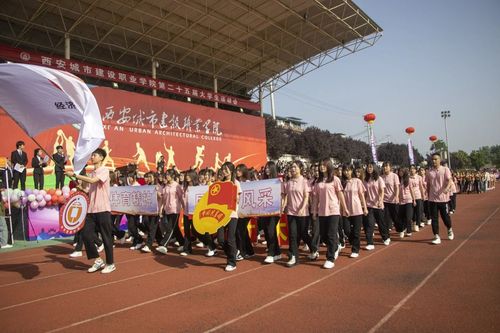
point(74, 244)
point(354, 255)
point(314, 255)
point(162, 249)
point(451, 235)
point(146, 249)
point(137, 246)
point(387, 242)
point(402, 234)
point(98, 264)
point(122, 240)
point(416, 228)
point(328, 264)
point(183, 253)
point(264, 242)
point(200, 245)
point(180, 248)
point(108, 269)
point(305, 247)
point(76, 254)
point(130, 239)
point(277, 257)
point(451, 212)
point(370, 247)
point(176, 243)
point(211, 253)
point(141, 233)
point(422, 224)
point(291, 262)
point(100, 248)
point(429, 222)
point(7, 246)
point(269, 260)
point(336, 254)
point(341, 246)
point(437, 240)
point(230, 268)
point(408, 234)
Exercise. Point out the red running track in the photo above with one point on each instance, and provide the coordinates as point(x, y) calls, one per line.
point(409, 286)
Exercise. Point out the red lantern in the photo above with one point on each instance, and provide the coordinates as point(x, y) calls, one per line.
point(369, 118)
point(410, 130)
point(433, 138)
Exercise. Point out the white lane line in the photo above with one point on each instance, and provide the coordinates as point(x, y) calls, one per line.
point(91, 287)
point(292, 293)
point(424, 281)
point(154, 300)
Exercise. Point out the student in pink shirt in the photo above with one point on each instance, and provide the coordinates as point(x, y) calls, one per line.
point(438, 190)
point(417, 184)
point(133, 221)
point(172, 203)
point(190, 179)
point(374, 196)
point(295, 199)
point(327, 203)
point(228, 172)
point(354, 192)
point(243, 242)
point(452, 204)
point(270, 222)
point(427, 215)
point(391, 195)
point(99, 213)
point(406, 203)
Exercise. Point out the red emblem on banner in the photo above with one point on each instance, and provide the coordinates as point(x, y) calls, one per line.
point(72, 214)
point(223, 194)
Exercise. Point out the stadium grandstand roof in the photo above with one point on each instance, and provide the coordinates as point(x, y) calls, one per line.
point(246, 45)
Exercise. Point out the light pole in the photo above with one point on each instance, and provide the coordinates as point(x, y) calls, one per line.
point(446, 114)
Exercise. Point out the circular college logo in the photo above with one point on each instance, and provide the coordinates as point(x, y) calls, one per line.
point(25, 56)
point(215, 189)
point(72, 214)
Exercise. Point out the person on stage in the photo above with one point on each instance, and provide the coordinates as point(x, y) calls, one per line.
point(19, 160)
point(61, 161)
point(439, 181)
point(99, 213)
point(38, 163)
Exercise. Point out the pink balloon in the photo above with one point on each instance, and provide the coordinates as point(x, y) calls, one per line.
point(65, 195)
point(47, 197)
point(34, 205)
point(58, 192)
point(42, 192)
point(42, 203)
point(24, 200)
point(39, 197)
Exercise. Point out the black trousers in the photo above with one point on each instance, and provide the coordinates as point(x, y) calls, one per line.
point(132, 222)
point(59, 179)
point(375, 215)
point(315, 234)
point(19, 176)
point(243, 241)
point(418, 211)
point(116, 219)
point(405, 215)
point(78, 239)
point(442, 208)
point(102, 223)
point(269, 224)
point(188, 232)
point(170, 221)
point(154, 232)
point(344, 230)
point(328, 228)
point(38, 180)
point(354, 236)
point(230, 241)
point(453, 202)
point(391, 214)
point(296, 231)
point(427, 212)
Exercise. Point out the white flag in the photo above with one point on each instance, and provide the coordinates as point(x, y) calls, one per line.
point(39, 98)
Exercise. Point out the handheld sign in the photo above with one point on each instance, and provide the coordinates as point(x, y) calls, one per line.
point(72, 214)
point(214, 209)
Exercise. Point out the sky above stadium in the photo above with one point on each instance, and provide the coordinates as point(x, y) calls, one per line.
point(433, 56)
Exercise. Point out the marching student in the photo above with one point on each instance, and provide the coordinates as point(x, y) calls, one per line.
point(38, 163)
point(270, 222)
point(438, 188)
point(354, 192)
point(327, 202)
point(426, 213)
point(452, 204)
point(228, 174)
point(406, 203)
point(190, 179)
point(134, 220)
point(374, 196)
point(417, 184)
point(295, 198)
point(391, 195)
point(99, 213)
point(152, 221)
point(243, 242)
point(172, 202)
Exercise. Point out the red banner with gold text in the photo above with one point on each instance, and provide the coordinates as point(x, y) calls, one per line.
point(140, 128)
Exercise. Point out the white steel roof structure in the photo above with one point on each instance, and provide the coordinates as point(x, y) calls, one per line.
point(246, 45)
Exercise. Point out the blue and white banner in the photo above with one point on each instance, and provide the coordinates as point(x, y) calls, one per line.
point(258, 198)
point(134, 200)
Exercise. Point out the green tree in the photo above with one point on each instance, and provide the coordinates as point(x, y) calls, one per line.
point(495, 155)
point(480, 158)
point(460, 160)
